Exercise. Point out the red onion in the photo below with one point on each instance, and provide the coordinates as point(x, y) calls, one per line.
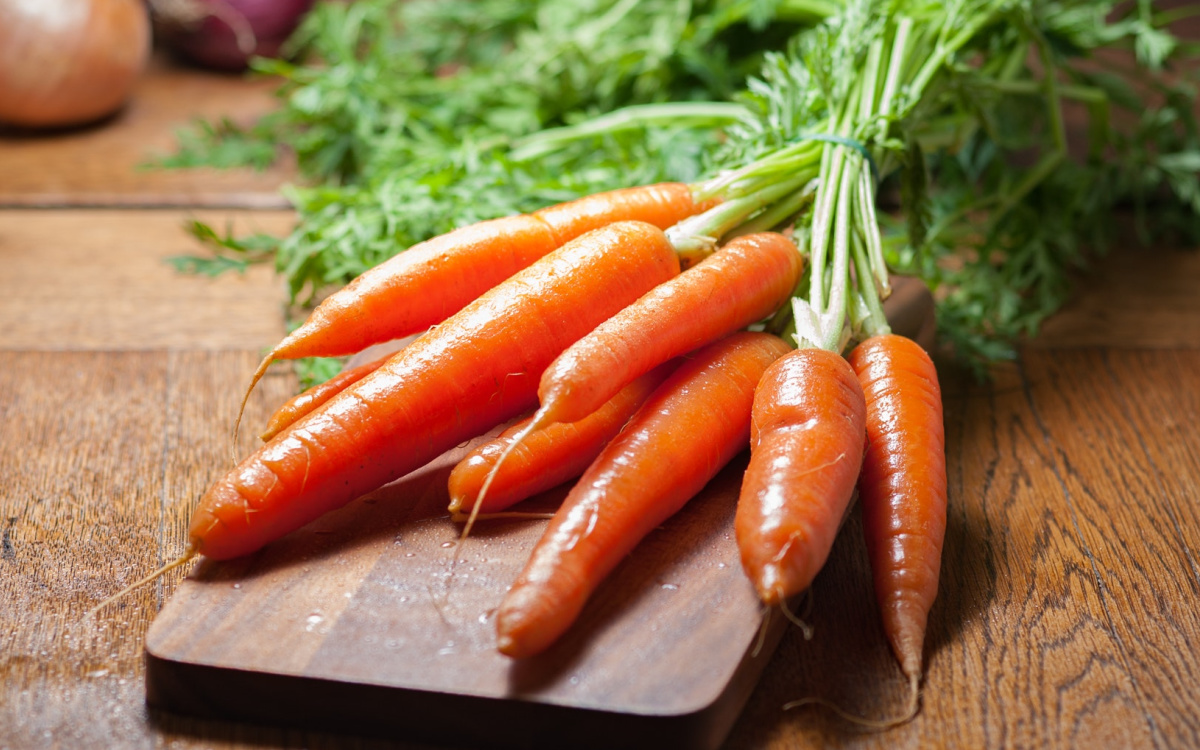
point(69, 62)
point(225, 34)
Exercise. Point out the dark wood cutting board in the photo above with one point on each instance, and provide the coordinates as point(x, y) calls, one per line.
point(360, 623)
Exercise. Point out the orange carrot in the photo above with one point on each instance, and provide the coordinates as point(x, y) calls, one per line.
point(664, 205)
point(474, 371)
point(689, 428)
point(548, 457)
point(805, 454)
point(432, 280)
point(902, 487)
point(743, 282)
point(306, 402)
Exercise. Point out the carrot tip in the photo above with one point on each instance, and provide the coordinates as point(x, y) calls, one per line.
point(258, 374)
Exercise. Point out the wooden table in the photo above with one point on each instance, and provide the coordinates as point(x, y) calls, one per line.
point(1069, 609)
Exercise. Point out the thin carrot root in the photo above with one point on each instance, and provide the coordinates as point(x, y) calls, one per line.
point(875, 725)
point(793, 618)
point(457, 517)
point(537, 423)
point(188, 555)
point(534, 424)
point(237, 423)
point(761, 640)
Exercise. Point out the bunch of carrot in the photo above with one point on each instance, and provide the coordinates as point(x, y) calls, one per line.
point(648, 334)
point(643, 382)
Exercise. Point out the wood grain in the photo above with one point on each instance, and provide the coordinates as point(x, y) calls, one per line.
point(1131, 298)
point(103, 164)
point(101, 454)
point(94, 279)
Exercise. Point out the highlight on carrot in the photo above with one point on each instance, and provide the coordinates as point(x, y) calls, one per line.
point(475, 370)
point(548, 457)
point(306, 402)
point(805, 452)
point(902, 489)
point(685, 432)
point(432, 280)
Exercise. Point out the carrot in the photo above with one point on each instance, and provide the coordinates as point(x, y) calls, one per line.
point(743, 282)
point(664, 205)
point(475, 370)
point(548, 457)
point(805, 453)
point(902, 487)
point(689, 428)
point(432, 280)
point(304, 403)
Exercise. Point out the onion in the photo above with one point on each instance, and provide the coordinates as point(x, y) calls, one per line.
point(69, 62)
point(224, 34)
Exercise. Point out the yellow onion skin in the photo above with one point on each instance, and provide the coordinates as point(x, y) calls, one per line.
point(69, 62)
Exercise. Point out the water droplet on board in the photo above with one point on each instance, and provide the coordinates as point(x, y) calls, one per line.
point(671, 586)
point(313, 621)
point(237, 585)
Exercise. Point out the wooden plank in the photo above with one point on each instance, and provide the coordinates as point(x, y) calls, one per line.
point(102, 165)
point(1141, 537)
point(81, 489)
point(83, 279)
point(101, 454)
point(1131, 299)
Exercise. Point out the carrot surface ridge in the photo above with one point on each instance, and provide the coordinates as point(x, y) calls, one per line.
point(739, 284)
point(805, 454)
point(902, 487)
point(547, 457)
point(306, 402)
point(685, 432)
point(474, 371)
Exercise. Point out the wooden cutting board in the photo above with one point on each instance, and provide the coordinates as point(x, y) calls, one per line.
point(367, 622)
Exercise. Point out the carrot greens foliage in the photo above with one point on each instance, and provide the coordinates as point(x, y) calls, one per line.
point(983, 145)
point(962, 108)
